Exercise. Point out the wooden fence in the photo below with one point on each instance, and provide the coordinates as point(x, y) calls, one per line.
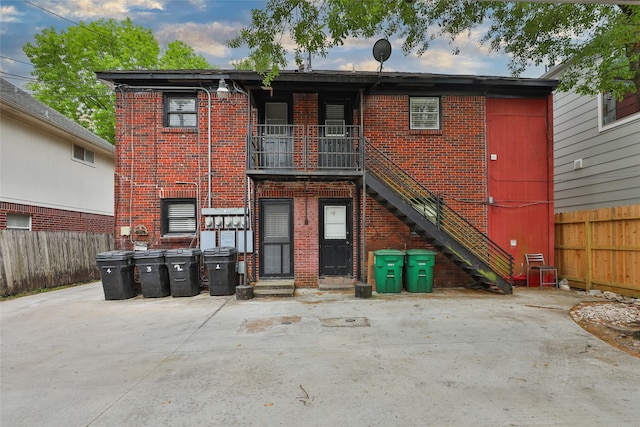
point(31, 260)
point(600, 249)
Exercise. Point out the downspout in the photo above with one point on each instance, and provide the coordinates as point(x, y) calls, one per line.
point(364, 190)
point(246, 189)
point(132, 176)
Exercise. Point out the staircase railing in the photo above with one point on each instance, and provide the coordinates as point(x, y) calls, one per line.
point(435, 210)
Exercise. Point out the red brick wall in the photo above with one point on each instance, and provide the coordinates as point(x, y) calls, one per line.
point(305, 198)
point(450, 162)
point(47, 219)
point(152, 159)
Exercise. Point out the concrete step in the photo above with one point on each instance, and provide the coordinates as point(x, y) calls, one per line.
point(273, 288)
point(336, 284)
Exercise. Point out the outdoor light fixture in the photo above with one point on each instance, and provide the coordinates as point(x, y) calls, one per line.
point(223, 90)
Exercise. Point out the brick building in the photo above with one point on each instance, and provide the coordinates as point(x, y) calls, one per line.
point(308, 176)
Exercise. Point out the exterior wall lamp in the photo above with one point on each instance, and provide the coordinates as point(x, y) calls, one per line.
point(223, 91)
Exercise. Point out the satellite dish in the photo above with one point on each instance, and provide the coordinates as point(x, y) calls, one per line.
point(382, 51)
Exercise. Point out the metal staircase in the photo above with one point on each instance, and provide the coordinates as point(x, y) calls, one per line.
point(447, 231)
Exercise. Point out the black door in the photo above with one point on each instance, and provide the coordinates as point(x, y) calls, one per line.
point(276, 231)
point(336, 248)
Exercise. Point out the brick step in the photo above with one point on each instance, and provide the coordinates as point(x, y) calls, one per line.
point(273, 288)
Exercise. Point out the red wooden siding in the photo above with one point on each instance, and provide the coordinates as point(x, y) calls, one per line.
point(520, 179)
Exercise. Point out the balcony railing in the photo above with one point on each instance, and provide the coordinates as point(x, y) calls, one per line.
point(305, 149)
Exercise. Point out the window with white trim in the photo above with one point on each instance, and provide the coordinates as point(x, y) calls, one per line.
point(614, 111)
point(179, 216)
point(181, 111)
point(82, 154)
point(18, 222)
point(424, 112)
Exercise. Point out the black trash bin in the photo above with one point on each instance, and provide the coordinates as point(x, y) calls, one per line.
point(154, 276)
point(184, 271)
point(221, 268)
point(116, 271)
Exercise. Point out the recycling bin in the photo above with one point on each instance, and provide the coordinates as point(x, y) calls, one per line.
point(388, 270)
point(184, 271)
point(154, 276)
point(221, 268)
point(117, 274)
point(419, 270)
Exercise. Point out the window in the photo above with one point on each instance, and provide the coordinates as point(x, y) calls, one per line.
point(334, 120)
point(82, 154)
point(179, 216)
point(424, 113)
point(276, 118)
point(18, 222)
point(181, 111)
point(614, 111)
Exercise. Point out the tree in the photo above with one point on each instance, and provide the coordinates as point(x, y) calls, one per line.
point(599, 42)
point(65, 62)
point(179, 55)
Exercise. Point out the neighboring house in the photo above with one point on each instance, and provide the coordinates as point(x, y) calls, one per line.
point(54, 174)
point(597, 189)
point(324, 167)
point(597, 150)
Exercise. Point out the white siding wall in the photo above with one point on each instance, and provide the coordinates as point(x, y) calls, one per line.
point(37, 168)
point(611, 158)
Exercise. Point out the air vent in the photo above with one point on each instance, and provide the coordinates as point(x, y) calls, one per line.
point(577, 164)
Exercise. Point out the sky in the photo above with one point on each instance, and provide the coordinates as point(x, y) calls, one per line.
point(207, 24)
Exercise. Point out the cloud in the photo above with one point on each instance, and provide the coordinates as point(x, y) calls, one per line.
point(9, 14)
point(207, 39)
point(198, 4)
point(96, 9)
point(370, 65)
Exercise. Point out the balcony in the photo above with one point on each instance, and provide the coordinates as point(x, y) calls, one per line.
point(329, 152)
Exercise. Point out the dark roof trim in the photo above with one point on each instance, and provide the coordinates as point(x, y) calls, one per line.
point(318, 81)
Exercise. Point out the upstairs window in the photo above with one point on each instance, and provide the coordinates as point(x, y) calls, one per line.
point(613, 111)
point(276, 118)
point(179, 216)
point(181, 111)
point(424, 112)
point(334, 121)
point(82, 154)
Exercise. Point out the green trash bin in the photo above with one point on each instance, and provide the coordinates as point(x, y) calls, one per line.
point(388, 270)
point(419, 270)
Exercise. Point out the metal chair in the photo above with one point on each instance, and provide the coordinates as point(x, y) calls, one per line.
point(535, 262)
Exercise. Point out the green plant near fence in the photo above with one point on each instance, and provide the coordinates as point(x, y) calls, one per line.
point(32, 260)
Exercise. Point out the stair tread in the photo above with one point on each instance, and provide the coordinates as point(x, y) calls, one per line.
point(272, 293)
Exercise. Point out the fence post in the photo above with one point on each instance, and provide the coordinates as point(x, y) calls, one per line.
point(589, 253)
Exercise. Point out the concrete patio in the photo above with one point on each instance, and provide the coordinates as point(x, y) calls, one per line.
point(451, 358)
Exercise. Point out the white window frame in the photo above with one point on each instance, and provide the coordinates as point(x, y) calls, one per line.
point(11, 225)
point(82, 154)
point(187, 107)
point(601, 114)
point(421, 106)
